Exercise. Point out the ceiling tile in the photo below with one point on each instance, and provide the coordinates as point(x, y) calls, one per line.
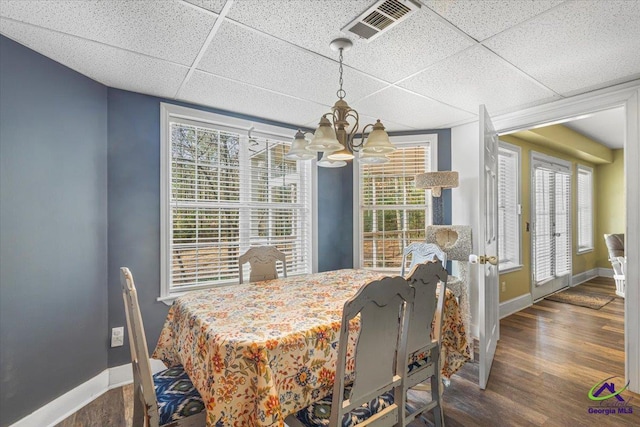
point(280, 66)
point(207, 89)
point(310, 24)
point(477, 76)
point(419, 41)
point(415, 43)
point(409, 109)
point(578, 46)
point(108, 65)
point(170, 30)
point(212, 5)
point(484, 18)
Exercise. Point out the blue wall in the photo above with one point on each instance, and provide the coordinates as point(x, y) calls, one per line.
point(67, 145)
point(134, 207)
point(53, 230)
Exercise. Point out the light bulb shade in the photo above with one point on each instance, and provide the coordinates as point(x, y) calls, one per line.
point(298, 149)
point(436, 181)
point(343, 154)
point(325, 162)
point(324, 139)
point(373, 159)
point(378, 141)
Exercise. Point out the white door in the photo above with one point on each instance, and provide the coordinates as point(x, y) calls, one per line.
point(551, 225)
point(488, 303)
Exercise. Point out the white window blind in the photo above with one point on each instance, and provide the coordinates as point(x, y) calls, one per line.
point(508, 206)
point(393, 213)
point(229, 192)
point(551, 232)
point(585, 208)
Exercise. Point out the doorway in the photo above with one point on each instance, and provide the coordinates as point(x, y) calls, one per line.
point(628, 97)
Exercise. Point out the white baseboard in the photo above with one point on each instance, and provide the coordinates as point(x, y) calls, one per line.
point(514, 305)
point(72, 401)
point(605, 272)
point(584, 276)
point(67, 404)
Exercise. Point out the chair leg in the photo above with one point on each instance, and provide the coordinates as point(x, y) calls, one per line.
point(138, 409)
point(436, 392)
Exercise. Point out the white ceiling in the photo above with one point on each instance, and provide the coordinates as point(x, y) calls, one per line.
point(271, 58)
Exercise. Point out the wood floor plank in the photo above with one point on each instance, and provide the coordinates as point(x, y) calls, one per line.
point(548, 358)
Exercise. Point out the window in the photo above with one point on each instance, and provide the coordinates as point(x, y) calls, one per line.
point(224, 190)
point(392, 212)
point(509, 206)
point(585, 209)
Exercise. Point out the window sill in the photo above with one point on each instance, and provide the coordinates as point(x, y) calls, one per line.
point(584, 251)
point(510, 268)
point(169, 299)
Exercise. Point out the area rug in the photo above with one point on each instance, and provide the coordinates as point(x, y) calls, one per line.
point(579, 297)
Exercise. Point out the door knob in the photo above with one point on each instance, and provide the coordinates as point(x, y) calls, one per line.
point(483, 259)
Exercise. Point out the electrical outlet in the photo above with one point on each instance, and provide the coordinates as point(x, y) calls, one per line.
point(504, 286)
point(117, 336)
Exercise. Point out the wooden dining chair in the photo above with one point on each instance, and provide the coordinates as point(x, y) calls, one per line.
point(167, 398)
point(424, 341)
point(376, 396)
point(262, 260)
point(421, 252)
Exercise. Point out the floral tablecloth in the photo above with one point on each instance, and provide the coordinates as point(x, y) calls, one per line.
point(258, 352)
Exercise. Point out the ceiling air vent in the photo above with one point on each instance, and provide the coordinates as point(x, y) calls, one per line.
point(381, 17)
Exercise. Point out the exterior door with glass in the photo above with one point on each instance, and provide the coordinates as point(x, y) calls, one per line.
point(551, 224)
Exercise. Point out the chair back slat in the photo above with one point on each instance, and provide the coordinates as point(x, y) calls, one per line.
point(144, 391)
point(424, 278)
point(384, 307)
point(421, 252)
point(262, 260)
point(425, 336)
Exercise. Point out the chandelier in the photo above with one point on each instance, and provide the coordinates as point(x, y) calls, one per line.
point(335, 135)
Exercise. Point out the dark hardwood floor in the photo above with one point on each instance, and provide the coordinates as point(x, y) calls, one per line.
point(548, 358)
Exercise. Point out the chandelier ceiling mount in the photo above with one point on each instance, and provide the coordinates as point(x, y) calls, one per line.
point(336, 131)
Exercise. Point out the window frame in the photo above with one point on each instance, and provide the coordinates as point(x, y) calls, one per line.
point(250, 128)
point(518, 265)
point(590, 172)
point(400, 141)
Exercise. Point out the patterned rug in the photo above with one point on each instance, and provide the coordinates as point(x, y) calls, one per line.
point(577, 296)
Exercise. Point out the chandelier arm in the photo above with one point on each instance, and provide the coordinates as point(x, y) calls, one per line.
point(354, 115)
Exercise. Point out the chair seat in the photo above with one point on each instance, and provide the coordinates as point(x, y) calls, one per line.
point(318, 413)
point(177, 397)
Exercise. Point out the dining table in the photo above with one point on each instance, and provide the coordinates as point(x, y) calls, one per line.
point(260, 351)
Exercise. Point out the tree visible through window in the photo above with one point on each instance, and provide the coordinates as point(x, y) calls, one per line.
point(229, 192)
point(393, 213)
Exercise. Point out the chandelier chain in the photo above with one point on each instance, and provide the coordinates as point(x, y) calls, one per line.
point(341, 92)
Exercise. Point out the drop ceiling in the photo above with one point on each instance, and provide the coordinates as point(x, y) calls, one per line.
point(271, 59)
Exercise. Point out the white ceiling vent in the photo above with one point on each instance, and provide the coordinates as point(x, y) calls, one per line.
point(381, 17)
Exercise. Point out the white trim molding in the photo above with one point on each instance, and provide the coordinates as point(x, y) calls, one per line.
point(66, 405)
point(72, 401)
point(585, 276)
point(605, 272)
point(514, 305)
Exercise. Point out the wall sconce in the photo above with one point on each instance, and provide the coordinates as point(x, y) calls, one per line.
point(436, 181)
